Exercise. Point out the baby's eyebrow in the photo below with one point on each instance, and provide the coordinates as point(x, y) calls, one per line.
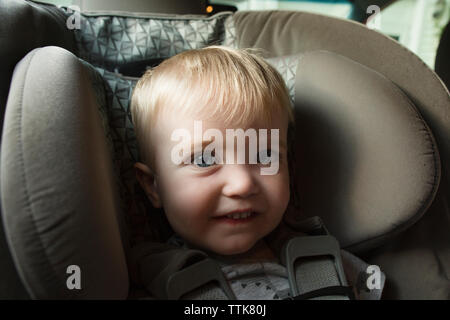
point(204, 143)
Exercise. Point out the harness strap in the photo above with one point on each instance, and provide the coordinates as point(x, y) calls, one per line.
point(169, 272)
point(202, 280)
point(314, 266)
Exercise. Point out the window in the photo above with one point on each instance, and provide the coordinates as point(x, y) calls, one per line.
point(338, 8)
point(417, 25)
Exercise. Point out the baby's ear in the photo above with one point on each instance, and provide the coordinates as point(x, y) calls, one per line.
point(147, 180)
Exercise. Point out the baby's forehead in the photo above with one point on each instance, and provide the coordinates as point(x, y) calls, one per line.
point(189, 131)
point(173, 119)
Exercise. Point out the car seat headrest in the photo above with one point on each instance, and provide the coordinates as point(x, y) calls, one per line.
point(126, 41)
point(365, 160)
point(60, 206)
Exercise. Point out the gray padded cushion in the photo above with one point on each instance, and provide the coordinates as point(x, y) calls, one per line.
point(36, 25)
point(59, 199)
point(366, 162)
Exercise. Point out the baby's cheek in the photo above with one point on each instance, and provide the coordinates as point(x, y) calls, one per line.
point(280, 191)
point(189, 198)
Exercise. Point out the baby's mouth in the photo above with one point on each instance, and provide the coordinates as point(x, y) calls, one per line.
point(238, 217)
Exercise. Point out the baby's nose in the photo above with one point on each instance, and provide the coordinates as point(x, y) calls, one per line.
point(240, 181)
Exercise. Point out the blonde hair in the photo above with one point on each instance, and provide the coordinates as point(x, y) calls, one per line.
point(230, 85)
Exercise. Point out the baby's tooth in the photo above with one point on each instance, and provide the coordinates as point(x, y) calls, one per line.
point(242, 215)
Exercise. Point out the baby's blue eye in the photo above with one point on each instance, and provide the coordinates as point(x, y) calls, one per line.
point(203, 161)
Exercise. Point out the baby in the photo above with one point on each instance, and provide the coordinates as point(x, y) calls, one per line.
point(212, 126)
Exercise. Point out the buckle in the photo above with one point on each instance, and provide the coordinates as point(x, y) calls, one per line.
point(196, 276)
point(321, 255)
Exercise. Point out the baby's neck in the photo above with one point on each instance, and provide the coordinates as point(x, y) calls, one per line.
point(259, 252)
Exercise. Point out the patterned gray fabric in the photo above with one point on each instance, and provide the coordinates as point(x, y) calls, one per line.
point(113, 94)
point(262, 280)
point(230, 33)
point(111, 41)
point(287, 67)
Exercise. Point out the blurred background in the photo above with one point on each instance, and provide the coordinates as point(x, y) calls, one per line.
point(416, 24)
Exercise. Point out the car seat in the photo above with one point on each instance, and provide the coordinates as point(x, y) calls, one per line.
point(372, 143)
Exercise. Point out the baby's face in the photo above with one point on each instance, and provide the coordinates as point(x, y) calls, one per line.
point(200, 200)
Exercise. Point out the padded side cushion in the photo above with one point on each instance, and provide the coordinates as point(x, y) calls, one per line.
point(58, 194)
point(366, 162)
point(24, 26)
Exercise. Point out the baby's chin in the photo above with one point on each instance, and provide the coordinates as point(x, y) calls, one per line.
point(232, 247)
